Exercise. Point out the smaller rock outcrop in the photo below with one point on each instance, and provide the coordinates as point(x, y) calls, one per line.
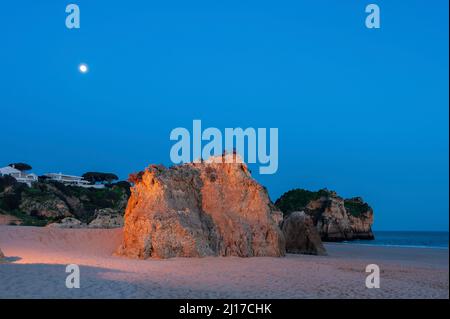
point(336, 218)
point(107, 218)
point(301, 235)
point(104, 218)
point(1, 255)
point(68, 222)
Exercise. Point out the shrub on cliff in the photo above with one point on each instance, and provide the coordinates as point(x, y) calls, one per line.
point(356, 207)
point(6, 181)
point(9, 201)
point(297, 199)
point(123, 185)
point(10, 193)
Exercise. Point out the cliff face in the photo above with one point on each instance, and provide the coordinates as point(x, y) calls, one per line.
point(361, 218)
point(335, 218)
point(47, 202)
point(199, 209)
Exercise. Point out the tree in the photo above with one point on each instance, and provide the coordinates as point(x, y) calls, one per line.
point(123, 184)
point(98, 177)
point(109, 177)
point(21, 166)
point(6, 181)
point(43, 178)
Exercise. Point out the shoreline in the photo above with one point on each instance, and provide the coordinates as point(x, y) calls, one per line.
point(37, 257)
point(385, 245)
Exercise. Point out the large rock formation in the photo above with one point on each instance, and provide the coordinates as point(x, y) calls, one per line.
point(1, 255)
point(199, 209)
point(336, 219)
point(301, 235)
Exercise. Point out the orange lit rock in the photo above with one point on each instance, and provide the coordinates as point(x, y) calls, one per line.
point(336, 221)
point(199, 209)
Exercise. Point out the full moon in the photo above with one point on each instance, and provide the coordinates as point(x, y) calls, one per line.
point(83, 68)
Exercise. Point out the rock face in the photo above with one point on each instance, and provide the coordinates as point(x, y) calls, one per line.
point(360, 215)
point(1, 255)
point(68, 222)
point(336, 219)
point(277, 216)
point(199, 209)
point(50, 207)
point(301, 235)
point(107, 218)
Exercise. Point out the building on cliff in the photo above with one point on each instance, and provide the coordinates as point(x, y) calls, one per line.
point(72, 180)
point(20, 176)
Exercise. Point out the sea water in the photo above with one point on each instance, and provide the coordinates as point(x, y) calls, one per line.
point(425, 239)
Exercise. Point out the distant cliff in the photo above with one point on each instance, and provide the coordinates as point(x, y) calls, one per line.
point(335, 218)
point(50, 201)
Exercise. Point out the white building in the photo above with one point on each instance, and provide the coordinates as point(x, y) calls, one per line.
point(20, 176)
point(71, 180)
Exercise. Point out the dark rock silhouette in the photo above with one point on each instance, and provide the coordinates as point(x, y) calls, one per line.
point(301, 235)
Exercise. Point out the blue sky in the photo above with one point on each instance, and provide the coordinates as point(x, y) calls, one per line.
point(363, 112)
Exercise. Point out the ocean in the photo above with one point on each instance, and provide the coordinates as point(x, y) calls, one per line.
point(424, 239)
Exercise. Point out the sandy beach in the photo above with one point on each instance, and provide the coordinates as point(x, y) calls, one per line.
point(36, 260)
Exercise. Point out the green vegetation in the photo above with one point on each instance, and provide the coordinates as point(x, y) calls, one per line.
point(10, 200)
point(35, 205)
point(298, 199)
point(97, 177)
point(28, 220)
point(356, 208)
point(6, 181)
